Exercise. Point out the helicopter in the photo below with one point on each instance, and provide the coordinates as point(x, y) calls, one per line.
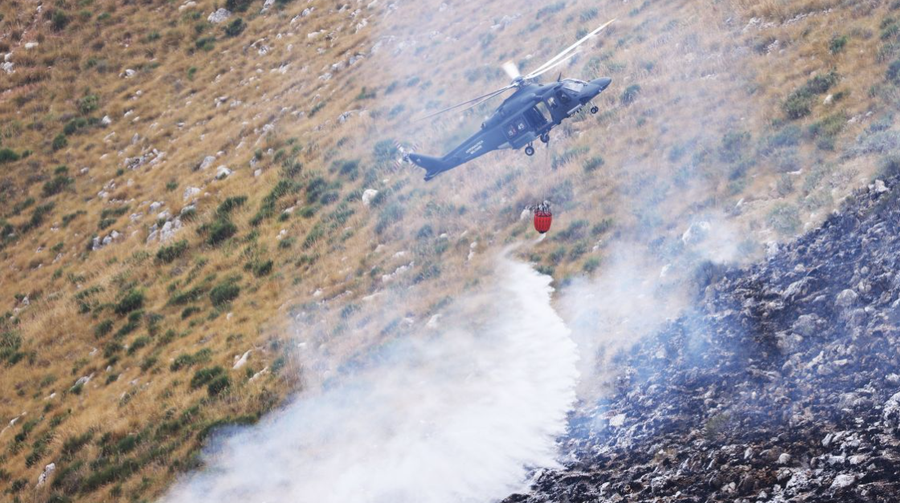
point(528, 114)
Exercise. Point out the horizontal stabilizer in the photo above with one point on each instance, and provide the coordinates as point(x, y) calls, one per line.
point(433, 165)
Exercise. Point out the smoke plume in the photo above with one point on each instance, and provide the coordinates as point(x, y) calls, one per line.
point(454, 415)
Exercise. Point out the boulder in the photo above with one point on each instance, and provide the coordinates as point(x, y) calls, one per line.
point(846, 298)
point(207, 162)
point(45, 474)
point(190, 193)
point(368, 196)
point(219, 16)
point(223, 172)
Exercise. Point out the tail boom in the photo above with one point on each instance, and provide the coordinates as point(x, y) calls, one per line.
point(433, 165)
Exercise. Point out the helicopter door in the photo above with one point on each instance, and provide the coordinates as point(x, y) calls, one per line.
point(538, 115)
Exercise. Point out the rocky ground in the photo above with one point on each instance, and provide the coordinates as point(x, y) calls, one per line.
point(783, 385)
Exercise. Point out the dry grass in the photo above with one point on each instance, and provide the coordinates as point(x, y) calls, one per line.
point(702, 73)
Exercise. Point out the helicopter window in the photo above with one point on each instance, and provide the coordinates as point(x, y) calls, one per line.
point(574, 86)
point(552, 102)
point(542, 109)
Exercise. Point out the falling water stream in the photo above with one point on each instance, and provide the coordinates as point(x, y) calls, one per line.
point(457, 414)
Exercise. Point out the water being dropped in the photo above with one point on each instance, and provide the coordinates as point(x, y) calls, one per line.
point(458, 414)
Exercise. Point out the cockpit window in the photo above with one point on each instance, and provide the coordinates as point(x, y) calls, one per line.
point(573, 85)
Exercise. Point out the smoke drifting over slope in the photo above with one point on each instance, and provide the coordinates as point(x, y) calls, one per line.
point(448, 415)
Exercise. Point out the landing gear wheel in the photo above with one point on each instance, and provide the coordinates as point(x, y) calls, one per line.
point(595, 109)
point(529, 151)
point(545, 137)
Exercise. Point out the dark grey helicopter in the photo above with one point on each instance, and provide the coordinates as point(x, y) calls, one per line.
point(530, 113)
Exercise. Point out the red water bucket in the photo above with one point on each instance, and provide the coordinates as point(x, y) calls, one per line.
point(542, 220)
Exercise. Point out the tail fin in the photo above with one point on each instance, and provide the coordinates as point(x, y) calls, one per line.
point(433, 166)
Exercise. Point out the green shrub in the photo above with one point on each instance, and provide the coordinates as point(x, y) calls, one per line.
point(111, 348)
point(350, 169)
point(235, 27)
point(59, 20)
point(185, 360)
point(37, 216)
point(74, 125)
point(785, 185)
point(630, 94)
point(132, 301)
point(557, 255)
point(591, 265)
point(316, 108)
point(168, 254)
point(576, 230)
point(8, 155)
point(893, 72)
point(205, 43)
point(218, 385)
point(799, 103)
point(230, 204)
point(837, 44)
point(261, 269)
point(220, 230)
point(224, 293)
point(391, 214)
point(315, 234)
point(732, 147)
point(602, 227)
point(10, 342)
point(60, 142)
point(788, 136)
point(56, 185)
point(74, 444)
point(785, 219)
point(550, 9)
point(593, 164)
point(196, 293)
point(109, 474)
point(238, 5)
point(385, 151)
point(205, 376)
point(88, 104)
point(103, 329)
point(189, 311)
point(890, 165)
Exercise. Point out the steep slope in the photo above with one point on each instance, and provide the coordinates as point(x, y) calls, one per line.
point(783, 385)
point(179, 183)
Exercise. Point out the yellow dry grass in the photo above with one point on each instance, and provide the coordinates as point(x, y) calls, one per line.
point(704, 69)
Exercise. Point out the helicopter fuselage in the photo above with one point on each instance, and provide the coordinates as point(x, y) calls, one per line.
point(529, 113)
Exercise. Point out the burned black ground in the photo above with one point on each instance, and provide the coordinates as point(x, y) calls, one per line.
point(782, 384)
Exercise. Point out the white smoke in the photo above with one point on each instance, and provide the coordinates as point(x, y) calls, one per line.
point(455, 415)
point(636, 293)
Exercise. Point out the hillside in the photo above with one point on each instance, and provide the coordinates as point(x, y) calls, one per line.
point(180, 185)
point(782, 384)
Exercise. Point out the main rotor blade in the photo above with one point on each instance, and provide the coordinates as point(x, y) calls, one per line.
point(554, 65)
point(564, 53)
point(474, 102)
point(512, 70)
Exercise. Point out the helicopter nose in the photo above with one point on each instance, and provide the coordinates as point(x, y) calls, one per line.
point(602, 83)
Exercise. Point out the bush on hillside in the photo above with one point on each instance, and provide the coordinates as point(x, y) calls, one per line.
point(8, 155)
point(224, 293)
point(168, 254)
point(235, 27)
